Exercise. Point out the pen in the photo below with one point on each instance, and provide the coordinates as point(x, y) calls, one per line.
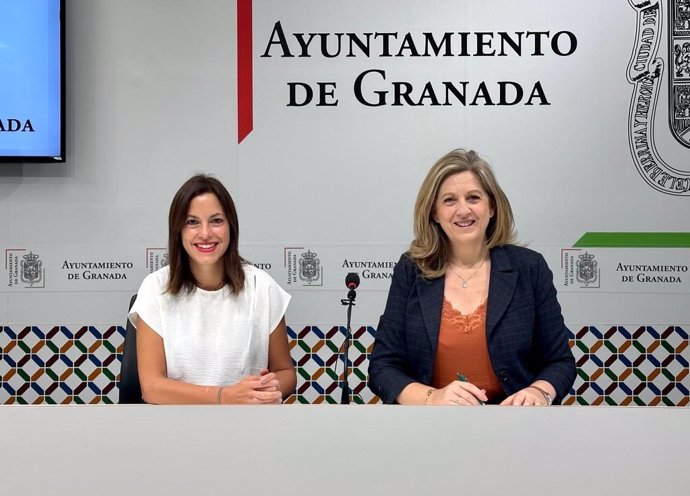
point(462, 378)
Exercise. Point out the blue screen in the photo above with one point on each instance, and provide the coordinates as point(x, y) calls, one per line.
point(30, 79)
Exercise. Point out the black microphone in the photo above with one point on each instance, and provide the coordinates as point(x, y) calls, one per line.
point(352, 282)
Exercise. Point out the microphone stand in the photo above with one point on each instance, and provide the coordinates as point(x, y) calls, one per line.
point(349, 302)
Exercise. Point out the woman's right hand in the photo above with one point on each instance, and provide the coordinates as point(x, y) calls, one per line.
point(458, 393)
point(253, 390)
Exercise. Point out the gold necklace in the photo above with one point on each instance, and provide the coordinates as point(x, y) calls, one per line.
point(465, 281)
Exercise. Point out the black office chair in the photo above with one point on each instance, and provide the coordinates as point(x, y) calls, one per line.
point(130, 388)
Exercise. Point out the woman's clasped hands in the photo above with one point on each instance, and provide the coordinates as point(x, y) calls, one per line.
point(263, 388)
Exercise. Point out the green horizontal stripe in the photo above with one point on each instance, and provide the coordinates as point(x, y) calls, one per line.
point(634, 240)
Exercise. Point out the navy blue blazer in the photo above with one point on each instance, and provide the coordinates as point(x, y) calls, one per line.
point(526, 336)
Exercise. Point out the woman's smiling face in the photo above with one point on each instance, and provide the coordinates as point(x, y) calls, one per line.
point(463, 209)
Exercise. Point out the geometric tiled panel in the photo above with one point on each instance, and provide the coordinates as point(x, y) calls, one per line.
point(319, 362)
point(636, 366)
point(59, 366)
point(617, 366)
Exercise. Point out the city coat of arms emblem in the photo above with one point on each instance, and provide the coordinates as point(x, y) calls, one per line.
point(309, 267)
point(31, 269)
point(586, 269)
point(679, 70)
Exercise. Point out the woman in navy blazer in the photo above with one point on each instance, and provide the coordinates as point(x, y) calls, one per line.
point(463, 267)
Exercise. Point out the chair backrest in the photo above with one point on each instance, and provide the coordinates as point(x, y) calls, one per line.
point(130, 388)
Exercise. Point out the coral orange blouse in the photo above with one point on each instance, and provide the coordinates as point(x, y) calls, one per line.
point(462, 348)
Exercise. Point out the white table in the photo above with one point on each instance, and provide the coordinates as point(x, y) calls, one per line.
point(343, 450)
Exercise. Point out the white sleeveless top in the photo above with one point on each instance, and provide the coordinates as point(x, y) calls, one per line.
point(212, 338)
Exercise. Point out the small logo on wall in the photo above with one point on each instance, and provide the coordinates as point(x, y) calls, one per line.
point(156, 258)
point(309, 267)
point(586, 269)
point(31, 266)
point(579, 269)
point(303, 267)
point(24, 269)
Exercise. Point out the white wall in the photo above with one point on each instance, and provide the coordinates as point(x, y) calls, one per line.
point(151, 88)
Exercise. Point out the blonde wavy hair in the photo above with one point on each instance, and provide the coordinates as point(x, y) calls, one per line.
point(430, 249)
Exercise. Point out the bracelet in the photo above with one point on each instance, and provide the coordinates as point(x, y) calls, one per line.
point(220, 391)
point(547, 396)
point(428, 393)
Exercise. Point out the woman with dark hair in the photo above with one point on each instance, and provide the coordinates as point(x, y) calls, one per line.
point(210, 326)
point(471, 318)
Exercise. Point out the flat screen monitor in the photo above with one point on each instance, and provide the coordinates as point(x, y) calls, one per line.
point(32, 81)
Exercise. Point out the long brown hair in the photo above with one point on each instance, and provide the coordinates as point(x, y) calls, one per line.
point(181, 277)
point(430, 249)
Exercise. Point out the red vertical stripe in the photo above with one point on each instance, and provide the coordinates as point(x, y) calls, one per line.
point(245, 96)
